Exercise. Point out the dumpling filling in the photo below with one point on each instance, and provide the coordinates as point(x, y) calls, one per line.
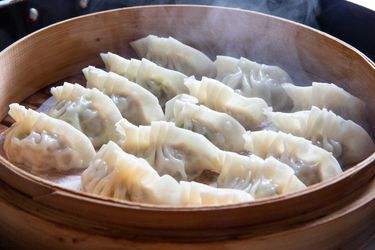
point(43, 151)
point(83, 116)
point(88, 110)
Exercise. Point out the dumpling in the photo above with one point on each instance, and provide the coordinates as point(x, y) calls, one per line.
point(163, 83)
point(252, 79)
point(267, 74)
point(329, 96)
point(172, 54)
point(258, 177)
point(135, 103)
point(311, 163)
point(88, 110)
point(217, 96)
point(220, 128)
point(120, 65)
point(44, 143)
point(178, 152)
point(348, 141)
point(116, 174)
point(225, 65)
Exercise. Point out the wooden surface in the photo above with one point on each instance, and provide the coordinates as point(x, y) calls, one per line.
point(336, 213)
point(350, 227)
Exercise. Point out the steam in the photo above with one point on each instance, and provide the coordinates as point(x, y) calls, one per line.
point(302, 11)
point(225, 32)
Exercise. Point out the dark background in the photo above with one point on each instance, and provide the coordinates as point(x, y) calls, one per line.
point(349, 22)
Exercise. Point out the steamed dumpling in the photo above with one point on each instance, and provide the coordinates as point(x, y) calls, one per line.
point(120, 175)
point(88, 110)
point(44, 143)
point(225, 65)
point(311, 163)
point(172, 54)
point(220, 128)
point(217, 96)
point(329, 96)
point(185, 155)
point(260, 178)
point(348, 141)
point(135, 103)
point(252, 79)
point(170, 150)
point(163, 83)
point(121, 66)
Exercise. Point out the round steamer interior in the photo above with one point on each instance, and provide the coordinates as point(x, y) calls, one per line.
point(59, 52)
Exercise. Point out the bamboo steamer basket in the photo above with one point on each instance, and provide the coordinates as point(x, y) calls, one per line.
point(338, 213)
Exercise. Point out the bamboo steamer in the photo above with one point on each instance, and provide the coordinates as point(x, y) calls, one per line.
point(35, 213)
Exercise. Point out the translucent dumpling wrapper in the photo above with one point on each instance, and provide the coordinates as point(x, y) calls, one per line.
point(311, 163)
point(136, 104)
point(117, 174)
point(163, 83)
point(121, 66)
point(220, 128)
point(88, 110)
point(348, 141)
point(330, 97)
point(43, 143)
point(226, 65)
point(249, 112)
point(178, 152)
point(252, 79)
point(258, 177)
point(172, 54)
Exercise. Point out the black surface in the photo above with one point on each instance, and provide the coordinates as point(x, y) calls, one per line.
point(349, 22)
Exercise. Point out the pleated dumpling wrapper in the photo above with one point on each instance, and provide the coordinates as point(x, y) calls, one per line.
point(163, 83)
point(117, 174)
point(88, 110)
point(249, 111)
point(219, 128)
point(122, 66)
point(43, 143)
point(260, 178)
point(348, 142)
point(253, 79)
point(169, 149)
point(311, 163)
point(330, 97)
point(136, 104)
point(173, 54)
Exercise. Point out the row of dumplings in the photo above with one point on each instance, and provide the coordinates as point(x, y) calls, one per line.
point(161, 122)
